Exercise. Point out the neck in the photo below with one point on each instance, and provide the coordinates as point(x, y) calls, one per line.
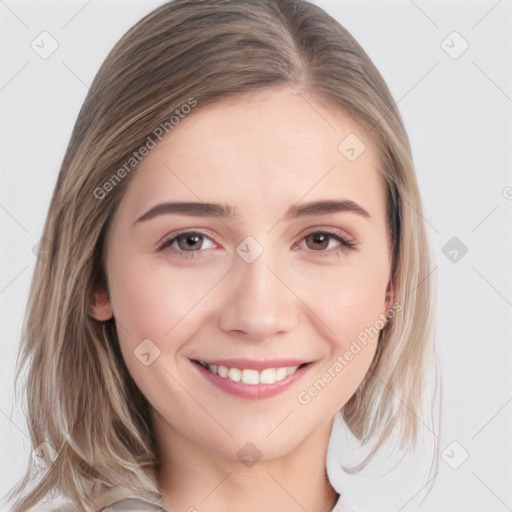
point(194, 478)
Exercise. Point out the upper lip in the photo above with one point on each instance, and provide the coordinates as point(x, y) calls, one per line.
point(254, 364)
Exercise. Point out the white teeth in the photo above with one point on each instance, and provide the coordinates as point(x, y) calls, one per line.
point(249, 376)
point(281, 373)
point(234, 374)
point(268, 376)
point(290, 370)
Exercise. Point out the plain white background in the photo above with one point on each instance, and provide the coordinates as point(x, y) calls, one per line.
point(456, 103)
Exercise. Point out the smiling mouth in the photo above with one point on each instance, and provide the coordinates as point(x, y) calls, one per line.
point(249, 375)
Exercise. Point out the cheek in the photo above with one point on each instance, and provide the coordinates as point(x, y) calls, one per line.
point(352, 312)
point(356, 305)
point(356, 315)
point(151, 298)
point(164, 305)
point(349, 301)
point(350, 297)
point(158, 302)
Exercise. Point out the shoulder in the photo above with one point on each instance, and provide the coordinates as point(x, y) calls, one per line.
point(120, 505)
point(112, 500)
point(124, 499)
point(52, 505)
point(133, 503)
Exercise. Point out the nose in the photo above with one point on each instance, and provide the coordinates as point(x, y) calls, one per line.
point(259, 304)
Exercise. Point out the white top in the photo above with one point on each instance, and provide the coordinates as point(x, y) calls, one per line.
point(125, 501)
point(142, 505)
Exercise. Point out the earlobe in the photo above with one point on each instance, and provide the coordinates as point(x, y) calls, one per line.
point(101, 310)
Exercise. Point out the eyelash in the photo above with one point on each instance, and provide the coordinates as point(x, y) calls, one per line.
point(346, 245)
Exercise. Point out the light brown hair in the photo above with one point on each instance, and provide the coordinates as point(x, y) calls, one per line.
point(80, 397)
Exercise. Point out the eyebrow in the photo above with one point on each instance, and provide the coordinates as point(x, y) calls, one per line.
point(199, 209)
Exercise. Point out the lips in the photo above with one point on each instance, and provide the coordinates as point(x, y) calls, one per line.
point(253, 379)
point(249, 375)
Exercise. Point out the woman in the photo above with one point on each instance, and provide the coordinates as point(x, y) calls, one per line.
point(235, 256)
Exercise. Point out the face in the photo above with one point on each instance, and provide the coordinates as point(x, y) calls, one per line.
point(246, 261)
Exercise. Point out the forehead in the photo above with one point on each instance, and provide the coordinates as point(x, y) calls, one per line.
point(261, 149)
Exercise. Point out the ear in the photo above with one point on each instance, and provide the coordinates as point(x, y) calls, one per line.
point(390, 295)
point(101, 310)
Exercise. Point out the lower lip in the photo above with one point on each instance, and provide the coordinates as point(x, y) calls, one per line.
point(253, 391)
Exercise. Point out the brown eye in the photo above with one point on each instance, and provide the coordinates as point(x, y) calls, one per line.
point(318, 241)
point(189, 242)
point(325, 243)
